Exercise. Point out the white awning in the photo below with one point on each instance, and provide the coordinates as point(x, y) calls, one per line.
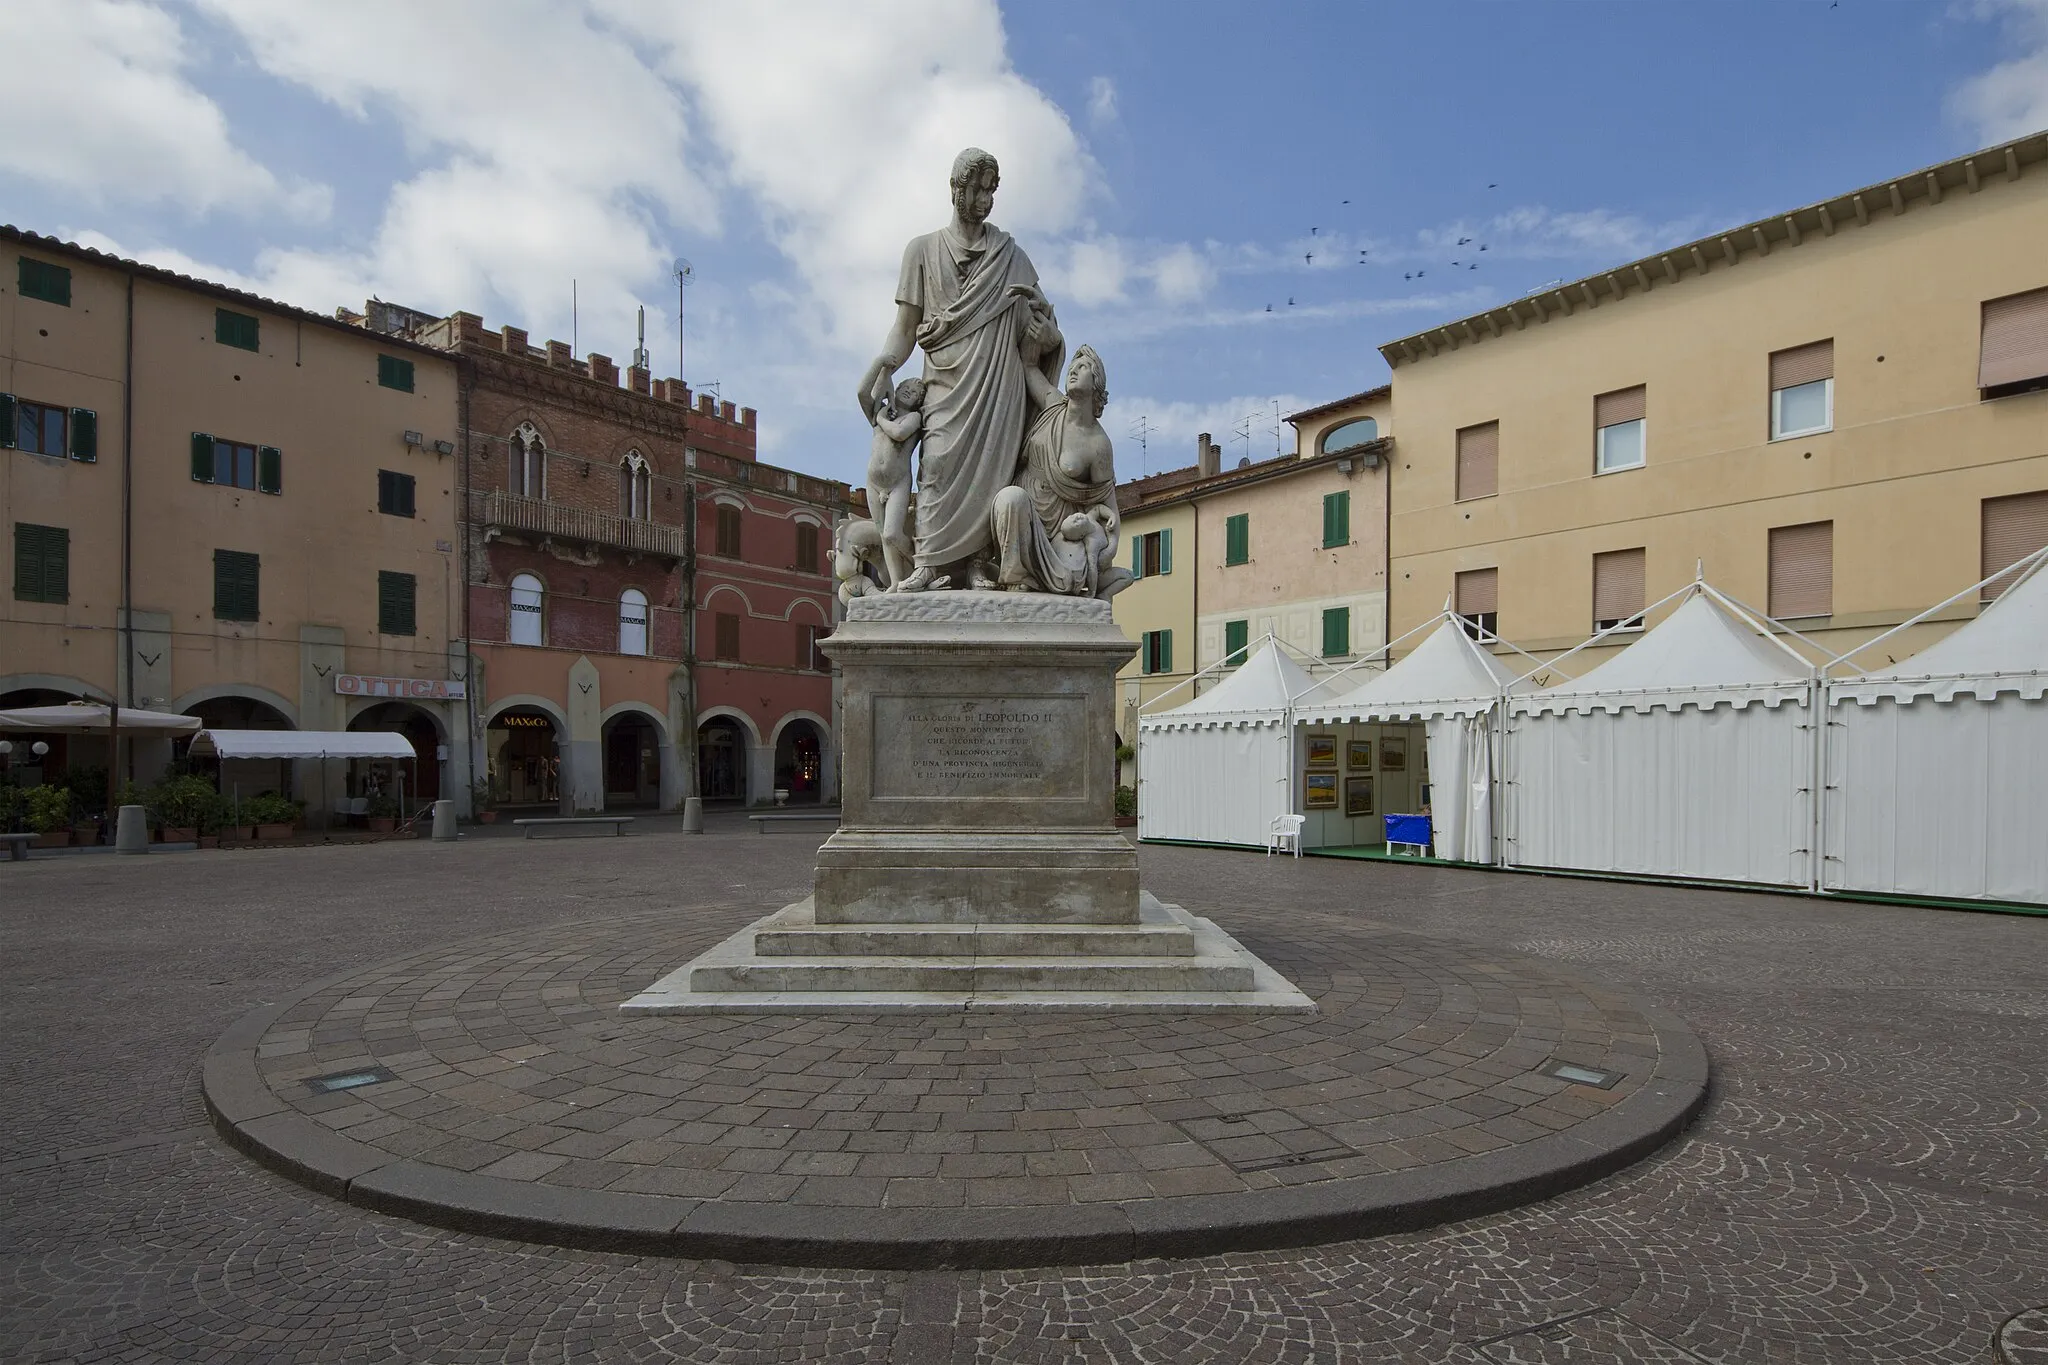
point(1700, 655)
point(1448, 674)
point(302, 744)
point(90, 717)
point(1255, 694)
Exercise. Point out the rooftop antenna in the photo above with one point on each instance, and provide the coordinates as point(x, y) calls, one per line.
point(1242, 430)
point(686, 275)
point(1141, 429)
point(573, 339)
point(640, 351)
point(1276, 428)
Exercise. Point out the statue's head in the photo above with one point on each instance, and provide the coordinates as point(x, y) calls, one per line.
point(909, 396)
point(974, 180)
point(1086, 375)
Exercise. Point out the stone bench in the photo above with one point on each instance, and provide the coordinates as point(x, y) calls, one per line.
point(17, 845)
point(765, 820)
point(531, 823)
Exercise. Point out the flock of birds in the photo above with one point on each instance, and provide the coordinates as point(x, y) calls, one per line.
point(1364, 255)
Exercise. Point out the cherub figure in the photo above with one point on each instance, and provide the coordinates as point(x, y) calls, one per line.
point(1083, 546)
point(857, 561)
point(897, 422)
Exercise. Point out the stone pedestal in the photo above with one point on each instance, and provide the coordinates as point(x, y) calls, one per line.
point(976, 865)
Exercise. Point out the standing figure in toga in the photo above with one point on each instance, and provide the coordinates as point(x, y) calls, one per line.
point(964, 297)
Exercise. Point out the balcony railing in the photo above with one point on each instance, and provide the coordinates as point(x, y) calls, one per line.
point(536, 516)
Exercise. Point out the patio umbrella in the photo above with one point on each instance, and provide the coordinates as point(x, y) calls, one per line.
point(92, 718)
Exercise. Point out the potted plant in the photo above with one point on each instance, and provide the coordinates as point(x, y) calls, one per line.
point(481, 801)
point(13, 807)
point(49, 815)
point(180, 806)
point(1126, 807)
point(273, 816)
point(231, 821)
point(383, 814)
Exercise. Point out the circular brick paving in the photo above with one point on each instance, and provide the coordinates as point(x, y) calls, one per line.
point(522, 1103)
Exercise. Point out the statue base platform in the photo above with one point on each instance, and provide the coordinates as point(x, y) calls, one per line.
point(976, 865)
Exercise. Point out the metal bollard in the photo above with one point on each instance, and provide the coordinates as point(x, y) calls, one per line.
point(131, 830)
point(444, 822)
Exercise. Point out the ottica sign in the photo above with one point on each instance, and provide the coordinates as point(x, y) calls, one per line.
point(420, 689)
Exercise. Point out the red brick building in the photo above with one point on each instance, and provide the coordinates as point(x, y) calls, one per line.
point(620, 538)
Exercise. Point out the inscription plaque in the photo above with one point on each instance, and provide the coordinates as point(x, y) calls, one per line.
point(979, 748)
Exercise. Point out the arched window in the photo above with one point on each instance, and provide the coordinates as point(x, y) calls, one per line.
point(632, 622)
point(529, 624)
point(635, 487)
point(529, 463)
point(1358, 433)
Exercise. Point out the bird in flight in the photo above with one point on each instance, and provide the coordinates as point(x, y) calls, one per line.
point(1493, 187)
point(1407, 274)
point(1420, 273)
point(1313, 231)
point(1463, 240)
point(1482, 246)
point(1309, 256)
point(1290, 303)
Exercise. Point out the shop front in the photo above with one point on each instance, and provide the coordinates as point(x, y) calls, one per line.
point(524, 753)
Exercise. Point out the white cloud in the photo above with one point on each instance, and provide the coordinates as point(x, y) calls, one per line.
point(1182, 275)
point(1243, 426)
point(1094, 274)
point(96, 103)
point(2011, 99)
point(1101, 100)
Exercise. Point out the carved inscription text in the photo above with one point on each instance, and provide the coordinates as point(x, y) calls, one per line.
point(1016, 748)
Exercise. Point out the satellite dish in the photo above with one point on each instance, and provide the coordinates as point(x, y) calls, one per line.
point(1245, 463)
point(685, 272)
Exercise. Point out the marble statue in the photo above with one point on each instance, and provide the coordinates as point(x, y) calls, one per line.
point(1006, 462)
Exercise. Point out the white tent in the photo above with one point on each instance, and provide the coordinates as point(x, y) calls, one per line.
point(1218, 769)
point(1938, 767)
point(302, 744)
point(1688, 754)
point(1453, 687)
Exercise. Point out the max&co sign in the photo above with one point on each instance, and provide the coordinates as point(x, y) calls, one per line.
point(419, 689)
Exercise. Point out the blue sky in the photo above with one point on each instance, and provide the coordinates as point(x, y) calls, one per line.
point(1169, 166)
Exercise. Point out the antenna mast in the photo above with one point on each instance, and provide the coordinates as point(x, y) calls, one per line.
point(1142, 430)
point(640, 351)
point(686, 274)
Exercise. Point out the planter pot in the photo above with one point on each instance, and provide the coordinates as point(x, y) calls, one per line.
point(54, 838)
point(1125, 821)
point(174, 834)
point(240, 833)
point(382, 824)
point(274, 831)
point(209, 841)
point(487, 817)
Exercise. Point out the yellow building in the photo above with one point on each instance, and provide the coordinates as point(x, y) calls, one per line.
point(1158, 610)
point(228, 507)
point(1841, 412)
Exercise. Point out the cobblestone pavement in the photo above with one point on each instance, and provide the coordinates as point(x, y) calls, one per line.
point(1867, 1183)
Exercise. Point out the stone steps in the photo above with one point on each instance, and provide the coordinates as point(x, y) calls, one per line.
point(1168, 939)
point(1068, 973)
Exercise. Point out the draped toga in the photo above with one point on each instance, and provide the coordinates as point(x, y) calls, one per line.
point(975, 398)
point(1050, 495)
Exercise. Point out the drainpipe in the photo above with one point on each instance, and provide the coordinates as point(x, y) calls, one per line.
point(464, 372)
point(124, 668)
point(693, 796)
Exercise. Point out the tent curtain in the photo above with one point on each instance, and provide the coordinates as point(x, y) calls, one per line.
point(1461, 786)
point(1220, 784)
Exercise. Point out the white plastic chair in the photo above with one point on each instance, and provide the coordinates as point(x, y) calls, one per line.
point(1285, 834)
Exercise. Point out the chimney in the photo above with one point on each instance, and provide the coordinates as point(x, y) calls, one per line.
point(1208, 456)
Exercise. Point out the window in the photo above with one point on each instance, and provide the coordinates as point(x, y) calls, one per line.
point(636, 486)
point(1477, 595)
point(2014, 528)
point(725, 636)
point(527, 623)
point(235, 596)
point(1618, 589)
point(1155, 651)
point(1236, 635)
point(529, 463)
point(41, 280)
point(42, 563)
point(2014, 354)
point(45, 429)
point(1803, 390)
point(397, 594)
point(1237, 539)
point(1802, 570)
point(808, 655)
point(1152, 553)
point(1348, 436)
point(395, 493)
point(393, 373)
point(1618, 430)
point(806, 547)
point(1336, 519)
point(728, 531)
point(1336, 632)
point(632, 622)
point(234, 329)
point(1478, 461)
point(217, 460)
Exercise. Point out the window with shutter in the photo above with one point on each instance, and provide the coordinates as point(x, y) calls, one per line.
point(2013, 528)
point(202, 457)
point(85, 435)
point(728, 536)
point(42, 563)
point(397, 598)
point(394, 373)
point(235, 329)
point(236, 581)
point(1236, 635)
point(1166, 550)
point(42, 280)
point(269, 470)
point(806, 547)
point(1478, 461)
point(41, 428)
point(2014, 354)
point(1803, 390)
point(1237, 539)
point(1619, 430)
point(726, 636)
point(396, 493)
point(1477, 601)
point(1153, 554)
point(1802, 570)
point(1336, 519)
point(1618, 589)
point(1336, 632)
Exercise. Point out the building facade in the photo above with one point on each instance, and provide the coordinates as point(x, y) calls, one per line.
point(630, 566)
point(227, 507)
point(1839, 413)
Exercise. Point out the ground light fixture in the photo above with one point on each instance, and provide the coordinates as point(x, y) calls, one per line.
point(1582, 1075)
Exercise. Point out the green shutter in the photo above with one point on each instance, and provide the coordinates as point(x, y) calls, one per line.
point(41, 280)
point(1336, 519)
point(42, 563)
point(1166, 551)
point(1237, 536)
point(269, 470)
point(1344, 518)
point(6, 421)
point(394, 373)
point(202, 457)
point(1146, 652)
point(237, 577)
point(1137, 557)
point(1336, 632)
point(236, 329)
point(1236, 635)
point(396, 594)
point(85, 435)
point(1166, 651)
